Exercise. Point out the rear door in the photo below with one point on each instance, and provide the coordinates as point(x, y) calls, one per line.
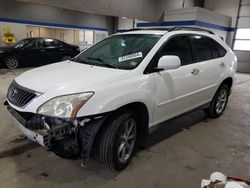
point(176, 90)
point(55, 50)
point(209, 55)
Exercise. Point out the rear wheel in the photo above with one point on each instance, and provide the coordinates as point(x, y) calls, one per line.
point(219, 102)
point(118, 141)
point(11, 62)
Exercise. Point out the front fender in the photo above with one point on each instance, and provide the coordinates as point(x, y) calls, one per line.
point(118, 94)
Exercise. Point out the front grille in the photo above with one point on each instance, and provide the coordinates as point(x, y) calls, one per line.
point(19, 95)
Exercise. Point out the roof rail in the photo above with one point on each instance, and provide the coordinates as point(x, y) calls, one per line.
point(172, 29)
point(152, 28)
point(190, 29)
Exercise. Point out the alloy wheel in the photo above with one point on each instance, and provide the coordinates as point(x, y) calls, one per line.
point(11, 62)
point(221, 101)
point(128, 138)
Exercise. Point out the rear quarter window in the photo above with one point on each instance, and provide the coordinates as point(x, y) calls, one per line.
point(217, 49)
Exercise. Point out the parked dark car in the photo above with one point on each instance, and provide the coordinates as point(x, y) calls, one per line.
point(36, 52)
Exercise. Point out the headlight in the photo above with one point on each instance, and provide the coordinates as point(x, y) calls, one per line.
point(64, 106)
point(1, 51)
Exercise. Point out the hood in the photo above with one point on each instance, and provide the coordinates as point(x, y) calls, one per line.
point(7, 48)
point(67, 77)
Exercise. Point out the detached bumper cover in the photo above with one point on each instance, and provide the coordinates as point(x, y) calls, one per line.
point(42, 136)
point(35, 135)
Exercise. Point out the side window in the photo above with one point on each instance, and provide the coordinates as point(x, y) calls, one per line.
point(201, 46)
point(35, 44)
point(222, 51)
point(214, 48)
point(217, 49)
point(179, 46)
point(53, 43)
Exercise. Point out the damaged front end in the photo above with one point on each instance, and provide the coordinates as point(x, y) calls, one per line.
point(65, 136)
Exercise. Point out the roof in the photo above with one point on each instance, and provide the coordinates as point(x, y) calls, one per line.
point(35, 38)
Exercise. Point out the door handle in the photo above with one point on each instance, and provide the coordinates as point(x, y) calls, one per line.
point(222, 64)
point(195, 71)
point(42, 50)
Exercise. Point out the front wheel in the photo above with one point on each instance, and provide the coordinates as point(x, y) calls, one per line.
point(11, 62)
point(219, 102)
point(118, 141)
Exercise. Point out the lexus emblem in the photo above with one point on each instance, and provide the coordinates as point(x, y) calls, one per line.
point(13, 92)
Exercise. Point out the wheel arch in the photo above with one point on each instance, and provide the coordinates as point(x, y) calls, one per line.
point(143, 115)
point(143, 119)
point(228, 81)
point(210, 111)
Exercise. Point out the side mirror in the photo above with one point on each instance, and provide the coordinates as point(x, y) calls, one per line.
point(169, 62)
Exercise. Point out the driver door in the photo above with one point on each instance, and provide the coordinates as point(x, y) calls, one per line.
point(176, 90)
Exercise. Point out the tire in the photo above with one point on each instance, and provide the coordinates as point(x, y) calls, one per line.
point(66, 57)
point(11, 62)
point(219, 102)
point(116, 148)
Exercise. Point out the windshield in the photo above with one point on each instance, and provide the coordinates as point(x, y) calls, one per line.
point(119, 51)
point(22, 43)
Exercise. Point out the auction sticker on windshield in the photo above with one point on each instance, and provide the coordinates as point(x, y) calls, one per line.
point(130, 56)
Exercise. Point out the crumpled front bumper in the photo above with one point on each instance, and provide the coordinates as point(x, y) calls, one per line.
point(63, 136)
point(44, 136)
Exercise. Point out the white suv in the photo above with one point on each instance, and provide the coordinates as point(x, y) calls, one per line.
point(104, 102)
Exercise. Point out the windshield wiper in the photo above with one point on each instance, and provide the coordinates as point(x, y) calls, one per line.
point(103, 62)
